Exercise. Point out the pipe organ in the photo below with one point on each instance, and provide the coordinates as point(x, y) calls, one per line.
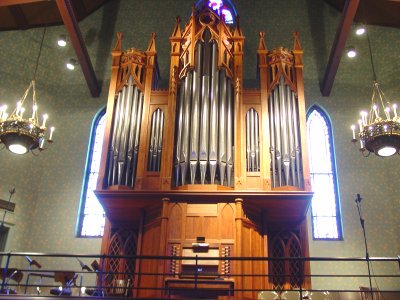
point(206, 158)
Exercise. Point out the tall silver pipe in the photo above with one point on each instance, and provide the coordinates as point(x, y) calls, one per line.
point(152, 141)
point(252, 141)
point(256, 143)
point(214, 114)
point(125, 134)
point(297, 142)
point(113, 155)
point(248, 143)
point(136, 144)
point(179, 132)
point(229, 138)
point(132, 132)
point(118, 137)
point(222, 127)
point(195, 114)
point(205, 106)
point(292, 150)
point(284, 132)
point(277, 127)
point(160, 141)
point(184, 157)
point(272, 137)
point(157, 133)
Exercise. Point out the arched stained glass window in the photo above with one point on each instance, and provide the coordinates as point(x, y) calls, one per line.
point(222, 8)
point(325, 203)
point(91, 216)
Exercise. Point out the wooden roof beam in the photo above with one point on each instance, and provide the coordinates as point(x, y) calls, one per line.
point(18, 15)
point(17, 2)
point(68, 16)
point(348, 13)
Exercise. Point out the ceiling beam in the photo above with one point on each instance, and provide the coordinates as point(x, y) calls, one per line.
point(19, 17)
point(18, 2)
point(348, 13)
point(68, 16)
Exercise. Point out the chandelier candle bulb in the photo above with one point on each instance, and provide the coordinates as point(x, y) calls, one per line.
point(34, 109)
point(364, 115)
point(361, 125)
point(22, 112)
point(51, 133)
point(387, 112)
point(45, 116)
point(394, 110)
point(19, 105)
point(353, 130)
point(375, 108)
point(41, 143)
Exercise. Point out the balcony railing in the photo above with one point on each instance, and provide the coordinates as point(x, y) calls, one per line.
point(73, 276)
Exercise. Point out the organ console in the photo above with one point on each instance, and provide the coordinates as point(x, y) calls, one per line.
point(206, 157)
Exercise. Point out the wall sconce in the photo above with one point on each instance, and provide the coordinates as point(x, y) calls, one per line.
point(71, 63)
point(62, 40)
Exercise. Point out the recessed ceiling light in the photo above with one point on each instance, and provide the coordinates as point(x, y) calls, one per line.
point(360, 30)
point(71, 63)
point(62, 40)
point(351, 52)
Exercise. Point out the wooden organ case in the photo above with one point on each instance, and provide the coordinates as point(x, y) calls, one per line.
point(205, 158)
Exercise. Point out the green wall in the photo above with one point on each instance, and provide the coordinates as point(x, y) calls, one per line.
point(49, 185)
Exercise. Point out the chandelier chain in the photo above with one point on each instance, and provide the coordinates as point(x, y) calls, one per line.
point(40, 52)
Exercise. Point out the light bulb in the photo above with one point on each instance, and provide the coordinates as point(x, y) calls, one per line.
point(360, 30)
point(351, 52)
point(62, 41)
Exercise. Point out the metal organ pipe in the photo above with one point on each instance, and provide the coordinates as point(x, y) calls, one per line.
point(113, 154)
point(277, 127)
point(292, 154)
point(214, 113)
point(256, 142)
point(136, 143)
point(272, 134)
point(155, 147)
point(297, 142)
point(152, 141)
point(195, 114)
point(122, 161)
point(229, 132)
point(252, 141)
point(184, 155)
point(118, 129)
point(222, 127)
point(204, 134)
point(284, 133)
point(160, 141)
point(205, 108)
point(179, 133)
point(248, 143)
point(125, 135)
point(133, 118)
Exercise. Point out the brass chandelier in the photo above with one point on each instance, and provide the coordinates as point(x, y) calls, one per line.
point(380, 126)
point(21, 131)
